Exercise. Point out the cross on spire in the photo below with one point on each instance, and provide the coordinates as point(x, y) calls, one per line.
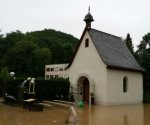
point(89, 9)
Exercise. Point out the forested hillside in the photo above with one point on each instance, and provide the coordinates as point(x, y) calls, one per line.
point(27, 53)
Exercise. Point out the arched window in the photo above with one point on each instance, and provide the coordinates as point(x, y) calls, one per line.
point(87, 43)
point(125, 84)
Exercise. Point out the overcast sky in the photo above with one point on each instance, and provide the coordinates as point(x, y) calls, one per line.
point(117, 17)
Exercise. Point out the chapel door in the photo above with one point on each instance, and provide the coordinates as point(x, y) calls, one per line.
point(86, 90)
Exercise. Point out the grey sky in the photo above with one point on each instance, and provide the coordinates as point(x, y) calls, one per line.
point(117, 17)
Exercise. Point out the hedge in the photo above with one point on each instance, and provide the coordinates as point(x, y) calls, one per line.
point(44, 89)
point(52, 89)
point(10, 86)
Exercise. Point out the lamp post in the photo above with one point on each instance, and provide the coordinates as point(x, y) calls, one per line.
point(12, 74)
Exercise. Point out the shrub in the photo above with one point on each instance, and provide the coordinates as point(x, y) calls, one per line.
point(44, 89)
point(52, 89)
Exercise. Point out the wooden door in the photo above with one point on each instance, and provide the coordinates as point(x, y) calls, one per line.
point(86, 90)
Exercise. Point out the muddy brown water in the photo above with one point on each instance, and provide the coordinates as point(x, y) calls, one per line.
point(135, 114)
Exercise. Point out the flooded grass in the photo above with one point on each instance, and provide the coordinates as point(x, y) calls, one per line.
point(135, 114)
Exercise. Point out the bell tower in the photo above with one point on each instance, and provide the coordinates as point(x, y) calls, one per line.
point(88, 19)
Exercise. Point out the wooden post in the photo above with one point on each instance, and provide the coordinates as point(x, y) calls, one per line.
point(71, 116)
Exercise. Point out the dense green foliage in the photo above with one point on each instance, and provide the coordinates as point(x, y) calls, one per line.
point(143, 57)
point(4, 78)
point(11, 87)
point(129, 44)
point(26, 54)
point(52, 89)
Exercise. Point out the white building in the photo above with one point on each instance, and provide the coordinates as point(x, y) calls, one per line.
point(102, 66)
point(56, 71)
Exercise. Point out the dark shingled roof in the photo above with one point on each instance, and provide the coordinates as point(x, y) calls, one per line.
point(113, 51)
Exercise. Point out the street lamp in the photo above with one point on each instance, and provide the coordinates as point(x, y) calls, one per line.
point(12, 74)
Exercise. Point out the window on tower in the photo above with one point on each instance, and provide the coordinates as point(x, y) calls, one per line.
point(87, 43)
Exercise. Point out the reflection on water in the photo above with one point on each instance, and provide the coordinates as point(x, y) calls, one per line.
point(125, 119)
point(113, 115)
point(95, 115)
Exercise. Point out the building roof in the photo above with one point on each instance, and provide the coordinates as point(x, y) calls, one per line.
point(112, 51)
point(88, 17)
point(56, 65)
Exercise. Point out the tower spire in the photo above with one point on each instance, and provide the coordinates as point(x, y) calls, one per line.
point(88, 19)
point(89, 9)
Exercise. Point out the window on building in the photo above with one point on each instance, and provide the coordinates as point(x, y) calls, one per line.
point(61, 69)
point(125, 84)
point(47, 76)
point(56, 76)
point(52, 69)
point(87, 43)
point(47, 69)
point(51, 76)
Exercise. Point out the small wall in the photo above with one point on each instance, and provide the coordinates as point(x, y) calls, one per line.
point(115, 92)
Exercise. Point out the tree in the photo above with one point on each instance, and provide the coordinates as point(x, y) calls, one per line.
point(68, 48)
point(144, 44)
point(2, 46)
point(128, 42)
point(9, 41)
point(19, 58)
point(57, 53)
point(12, 38)
point(26, 54)
point(41, 58)
point(143, 56)
point(4, 78)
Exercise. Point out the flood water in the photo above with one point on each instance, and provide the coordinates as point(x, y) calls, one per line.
point(135, 114)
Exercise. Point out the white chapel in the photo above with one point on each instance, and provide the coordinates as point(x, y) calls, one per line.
point(104, 68)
